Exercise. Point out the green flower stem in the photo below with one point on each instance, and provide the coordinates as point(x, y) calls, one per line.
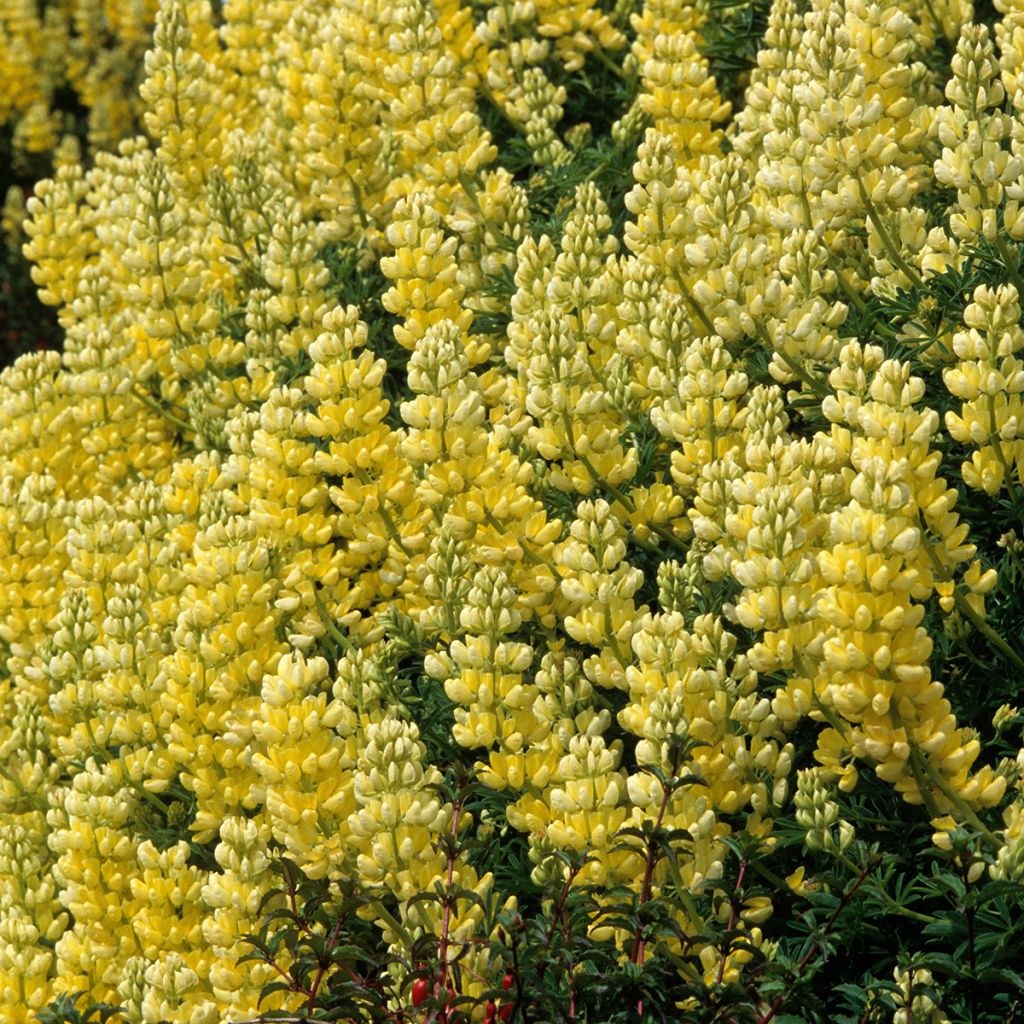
point(603, 57)
point(528, 553)
point(385, 515)
point(997, 448)
point(844, 901)
point(851, 295)
point(965, 609)
point(817, 386)
point(357, 202)
point(958, 802)
point(890, 247)
point(36, 801)
point(156, 407)
point(621, 497)
point(895, 907)
point(922, 769)
point(917, 771)
point(691, 300)
point(332, 630)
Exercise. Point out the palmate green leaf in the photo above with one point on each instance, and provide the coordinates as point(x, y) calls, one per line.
point(944, 964)
point(949, 926)
point(273, 987)
point(1001, 976)
point(65, 1010)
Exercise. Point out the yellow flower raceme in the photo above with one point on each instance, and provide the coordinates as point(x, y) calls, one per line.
point(95, 50)
point(60, 240)
point(556, 347)
point(683, 689)
point(291, 510)
point(445, 442)
point(681, 98)
point(358, 456)
point(703, 413)
point(972, 131)
point(577, 29)
point(425, 287)
point(1009, 33)
point(844, 143)
point(600, 586)
point(305, 776)
point(225, 641)
point(96, 867)
point(805, 318)
point(231, 898)
point(774, 519)
point(31, 913)
point(729, 257)
point(440, 144)
point(663, 221)
point(749, 127)
point(664, 17)
point(563, 708)
point(394, 830)
point(675, 89)
point(490, 228)
point(540, 109)
point(877, 567)
point(586, 808)
point(484, 676)
point(181, 91)
point(700, 719)
point(989, 377)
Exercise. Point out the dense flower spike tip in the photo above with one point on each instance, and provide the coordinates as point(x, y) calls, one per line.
point(990, 378)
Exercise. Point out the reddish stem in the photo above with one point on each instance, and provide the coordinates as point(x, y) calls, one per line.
point(559, 908)
point(732, 919)
point(844, 902)
point(287, 977)
point(322, 968)
point(441, 985)
point(639, 940)
point(637, 953)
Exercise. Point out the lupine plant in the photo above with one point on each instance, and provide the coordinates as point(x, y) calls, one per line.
point(526, 522)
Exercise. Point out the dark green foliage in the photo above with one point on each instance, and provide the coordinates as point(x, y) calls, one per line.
point(166, 819)
point(358, 282)
point(73, 1010)
point(730, 40)
point(335, 960)
point(890, 899)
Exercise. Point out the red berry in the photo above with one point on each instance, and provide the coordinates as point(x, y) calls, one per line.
point(490, 1011)
point(508, 981)
point(505, 1013)
point(420, 991)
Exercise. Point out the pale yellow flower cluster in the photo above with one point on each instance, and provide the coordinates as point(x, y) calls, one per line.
point(225, 518)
